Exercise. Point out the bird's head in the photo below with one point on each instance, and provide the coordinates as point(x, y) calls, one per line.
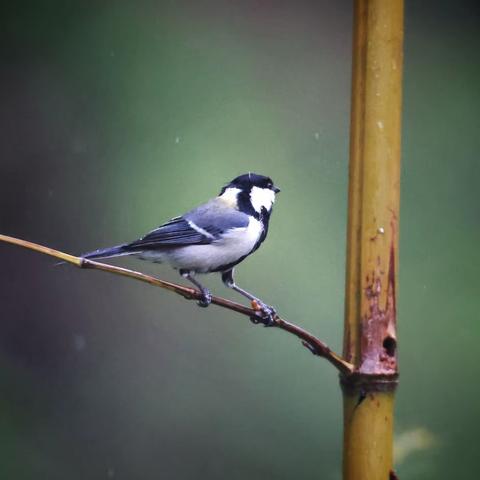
point(252, 193)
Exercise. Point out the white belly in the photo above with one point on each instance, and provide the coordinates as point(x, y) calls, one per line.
point(204, 258)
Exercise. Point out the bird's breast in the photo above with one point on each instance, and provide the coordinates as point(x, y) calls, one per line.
point(232, 246)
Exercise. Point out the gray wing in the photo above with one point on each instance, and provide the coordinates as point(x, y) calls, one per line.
point(200, 226)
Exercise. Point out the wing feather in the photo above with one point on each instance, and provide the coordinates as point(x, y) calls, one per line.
point(200, 226)
point(176, 232)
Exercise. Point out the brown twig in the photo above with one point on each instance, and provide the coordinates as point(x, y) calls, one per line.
point(316, 346)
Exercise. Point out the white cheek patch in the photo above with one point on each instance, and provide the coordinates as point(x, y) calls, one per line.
point(262, 198)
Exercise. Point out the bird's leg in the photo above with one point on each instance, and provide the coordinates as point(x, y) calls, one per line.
point(206, 295)
point(268, 311)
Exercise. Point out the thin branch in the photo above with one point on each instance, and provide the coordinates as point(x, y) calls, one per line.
point(316, 346)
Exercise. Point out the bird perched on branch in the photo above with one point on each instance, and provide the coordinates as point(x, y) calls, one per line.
point(213, 237)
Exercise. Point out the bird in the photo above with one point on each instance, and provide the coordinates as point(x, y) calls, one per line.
point(211, 238)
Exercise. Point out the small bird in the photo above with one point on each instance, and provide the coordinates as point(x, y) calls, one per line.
point(214, 237)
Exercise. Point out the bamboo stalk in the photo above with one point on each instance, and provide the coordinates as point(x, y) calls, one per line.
point(370, 341)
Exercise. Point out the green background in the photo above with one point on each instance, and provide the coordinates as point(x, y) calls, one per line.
point(116, 116)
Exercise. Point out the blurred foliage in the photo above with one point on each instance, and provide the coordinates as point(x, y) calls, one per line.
point(118, 116)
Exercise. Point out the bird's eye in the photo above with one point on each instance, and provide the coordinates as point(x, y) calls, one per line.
point(269, 185)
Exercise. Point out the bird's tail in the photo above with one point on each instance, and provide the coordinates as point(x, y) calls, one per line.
point(117, 251)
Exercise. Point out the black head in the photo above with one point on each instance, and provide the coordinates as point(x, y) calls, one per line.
point(251, 193)
point(249, 180)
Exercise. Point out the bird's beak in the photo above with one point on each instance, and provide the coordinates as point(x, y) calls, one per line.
point(276, 190)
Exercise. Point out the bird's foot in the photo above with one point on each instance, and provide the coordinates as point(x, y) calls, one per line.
point(267, 314)
point(206, 299)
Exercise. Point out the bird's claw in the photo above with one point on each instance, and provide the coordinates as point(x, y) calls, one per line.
point(205, 300)
point(267, 312)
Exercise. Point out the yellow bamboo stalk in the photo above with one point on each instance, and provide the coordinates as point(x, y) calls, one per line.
point(372, 240)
